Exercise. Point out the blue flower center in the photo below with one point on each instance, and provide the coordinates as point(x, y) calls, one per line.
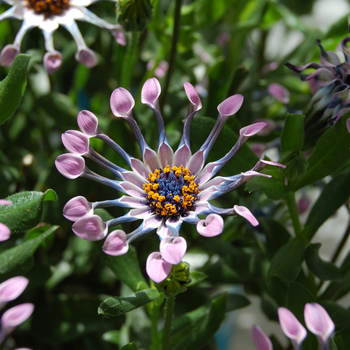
point(171, 192)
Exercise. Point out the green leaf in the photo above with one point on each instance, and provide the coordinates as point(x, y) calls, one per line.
point(125, 267)
point(13, 86)
point(236, 301)
point(18, 260)
point(322, 269)
point(286, 264)
point(273, 188)
point(130, 346)
point(292, 137)
point(196, 328)
point(117, 306)
point(26, 209)
point(333, 196)
point(332, 151)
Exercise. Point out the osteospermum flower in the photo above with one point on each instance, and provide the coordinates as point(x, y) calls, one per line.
point(330, 89)
point(48, 15)
point(165, 189)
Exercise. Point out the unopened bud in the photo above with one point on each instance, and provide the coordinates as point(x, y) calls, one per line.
point(177, 281)
point(134, 15)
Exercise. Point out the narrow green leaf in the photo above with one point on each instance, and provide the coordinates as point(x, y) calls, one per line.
point(286, 264)
point(292, 137)
point(117, 306)
point(332, 151)
point(324, 270)
point(333, 196)
point(236, 301)
point(18, 259)
point(13, 86)
point(25, 211)
point(194, 329)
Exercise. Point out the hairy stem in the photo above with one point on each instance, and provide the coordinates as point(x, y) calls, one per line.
point(293, 212)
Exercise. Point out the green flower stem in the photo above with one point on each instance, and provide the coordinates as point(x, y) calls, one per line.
point(169, 310)
point(130, 60)
point(154, 328)
point(173, 51)
point(293, 212)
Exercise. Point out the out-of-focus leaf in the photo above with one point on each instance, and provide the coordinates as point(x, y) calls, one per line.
point(13, 86)
point(130, 346)
point(66, 317)
point(276, 235)
point(194, 329)
point(26, 209)
point(292, 137)
point(125, 267)
point(197, 277)
point(324, 270)
point(235, 258)
point(117, 306)
point(286, 264)
point(339, 315)
point(252, 14)
point(236, 301)
point(333, 196)
point(18, 260)
point(332, 151)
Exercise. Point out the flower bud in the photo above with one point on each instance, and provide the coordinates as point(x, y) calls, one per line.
point(177, 281)
point(134, 15)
